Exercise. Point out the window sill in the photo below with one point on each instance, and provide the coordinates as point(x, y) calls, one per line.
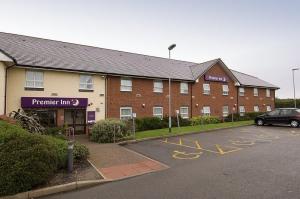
point(85, 90)
point(33, 89)
point(125, 91)
point(184, 93)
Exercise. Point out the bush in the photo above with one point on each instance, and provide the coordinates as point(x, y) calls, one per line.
point(182, 122)
point(80, 152)
point(247, 116)
point(205, 120)
point(26, 161)
point(108, 131)
point(149, 123)
point(286, 103)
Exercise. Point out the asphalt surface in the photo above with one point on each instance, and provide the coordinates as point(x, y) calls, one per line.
point(247, 162)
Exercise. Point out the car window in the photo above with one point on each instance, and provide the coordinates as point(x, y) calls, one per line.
point(298, 110)
point(272, 113)
point(286, 112)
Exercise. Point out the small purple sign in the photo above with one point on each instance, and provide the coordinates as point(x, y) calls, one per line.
point(215, 78)
point(91, 116)
point(53, 102)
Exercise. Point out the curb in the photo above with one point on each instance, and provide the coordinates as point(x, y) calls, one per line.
point(123, 143)
point(55, 189)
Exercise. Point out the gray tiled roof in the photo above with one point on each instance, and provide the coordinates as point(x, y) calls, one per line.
point(44, 53)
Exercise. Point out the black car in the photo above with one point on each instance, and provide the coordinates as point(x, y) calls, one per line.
point(289, 116)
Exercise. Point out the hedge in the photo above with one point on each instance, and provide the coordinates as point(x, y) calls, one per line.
point(238, 117)
point(286, 103)
point(205, 120)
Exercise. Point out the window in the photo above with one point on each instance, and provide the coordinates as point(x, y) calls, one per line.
point(86, 82)
point(158, 112)
point(269, 108)
point(255, 92)
point(286, 112)
point(275, 112)
point(268, 94)
point(225, 111)
point(206, 110)
point(206, 89)
point(158, 86)
point(126, 84)
point(242, 111)
point(184, 88)
point(256, 108)
point(125, 113)
point(47, 118)
point(225, 89)
point(242, 91)
point(34, 79)
point(184, 112)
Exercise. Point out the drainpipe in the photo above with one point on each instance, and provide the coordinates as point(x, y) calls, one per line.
point(192, 99)
point(106, 97)
point(5, 87)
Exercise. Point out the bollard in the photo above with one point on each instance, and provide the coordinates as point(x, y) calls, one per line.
point(70, 156)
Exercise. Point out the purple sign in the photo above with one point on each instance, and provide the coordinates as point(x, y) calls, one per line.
point(215, 78)
point(91, 116)
point(53, 102)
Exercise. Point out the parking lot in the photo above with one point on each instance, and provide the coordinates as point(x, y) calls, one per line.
point(246, 162)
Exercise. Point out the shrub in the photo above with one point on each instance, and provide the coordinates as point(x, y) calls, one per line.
point(26, 161)
point(80, 152)
point(149, 123)
point(182, 122)
point(108, 131)
point(205, 120)
point(247, 116)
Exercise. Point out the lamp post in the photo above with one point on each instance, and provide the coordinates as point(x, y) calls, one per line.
point(171, 47)
point(293, 71)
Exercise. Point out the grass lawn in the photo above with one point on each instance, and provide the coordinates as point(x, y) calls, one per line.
point(189, 129)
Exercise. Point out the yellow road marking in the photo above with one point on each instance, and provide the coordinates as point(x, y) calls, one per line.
point(180, 141)
point(198, 145)
point(242, 143)
point(220, 150)
point(186, 156)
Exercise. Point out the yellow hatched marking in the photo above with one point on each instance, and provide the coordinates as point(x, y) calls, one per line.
point(222, 152)
point(180, 141)
point(186, 156)
point(198, 145)
point(220, 149)
point(242, 143)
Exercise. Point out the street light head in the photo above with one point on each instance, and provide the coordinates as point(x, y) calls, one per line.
point(172, 46)
point(295, 69)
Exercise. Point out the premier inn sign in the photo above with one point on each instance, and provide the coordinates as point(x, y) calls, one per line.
point(51, 102)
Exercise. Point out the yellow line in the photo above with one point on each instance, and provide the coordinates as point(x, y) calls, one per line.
point(198, 145)
point(180, 141)
point(220, 150)
point(191, 147)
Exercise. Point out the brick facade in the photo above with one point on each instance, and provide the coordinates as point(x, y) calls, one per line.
point(142, 99)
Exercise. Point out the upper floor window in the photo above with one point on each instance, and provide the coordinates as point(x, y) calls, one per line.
point(158, 112)
point(206, 89)
point(255, 91)
point(242, 91)
point(206, 110)
point(158, 86)
point(225, 111)
point(269, 108)
point(225, 89)
point(125, 113)
point(184, 88)
point(34, 79)
point(242, 110)
point(268, 93)
point(256, 108)
point(126, 84)
point(184, 112)
point(86, 82)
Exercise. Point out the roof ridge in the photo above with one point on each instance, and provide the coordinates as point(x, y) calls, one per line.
point(97, 47)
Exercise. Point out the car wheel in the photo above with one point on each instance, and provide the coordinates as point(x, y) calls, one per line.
point(294, 123)
point(260, 122)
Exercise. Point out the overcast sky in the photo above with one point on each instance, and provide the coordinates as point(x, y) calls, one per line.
point(261, 38)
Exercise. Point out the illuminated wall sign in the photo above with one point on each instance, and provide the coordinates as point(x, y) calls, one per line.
point(215, 78)
point(51, 102)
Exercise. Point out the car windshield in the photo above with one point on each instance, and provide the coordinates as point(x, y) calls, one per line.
point(298, 110)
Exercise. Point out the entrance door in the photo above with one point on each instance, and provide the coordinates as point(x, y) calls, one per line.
point(76, 118)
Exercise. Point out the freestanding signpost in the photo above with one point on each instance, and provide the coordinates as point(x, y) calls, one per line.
point(133, 124)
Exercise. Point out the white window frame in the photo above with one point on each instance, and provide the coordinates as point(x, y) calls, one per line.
point(256, 108)
point(268, 92)
point(225, 89)
point(123, 87)
point(34, 81)
point(158, 86)
point(206, 111)
point(160, 115)
point(206, 89)
point(269, 108)
point(184, 115)
point(184, 90)
point(241, 91)
point(226, 112)
point(84, 85)
point(242, 110)
point(125, 117)
point(255, 92)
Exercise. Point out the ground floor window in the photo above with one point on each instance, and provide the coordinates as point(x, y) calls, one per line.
point(269, 108)
point(242, 111)
point(76, 118)
point(256, 109)
point(184, 112)
point(125, 113)
point(206, 110)
point(225, 111)
point(47, 118)
point(158, 112)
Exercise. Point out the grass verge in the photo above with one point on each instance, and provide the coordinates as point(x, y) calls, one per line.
point(189, 129)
